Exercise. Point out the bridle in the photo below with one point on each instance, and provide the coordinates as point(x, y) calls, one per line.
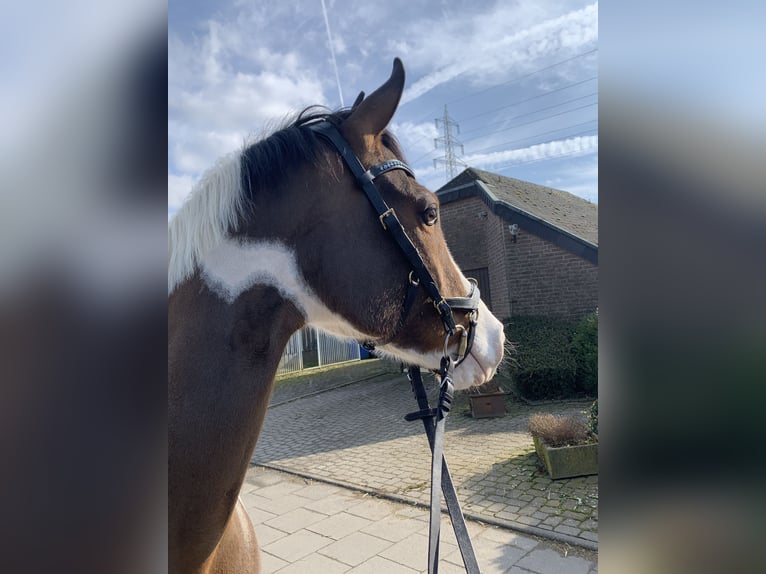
point(420, 277)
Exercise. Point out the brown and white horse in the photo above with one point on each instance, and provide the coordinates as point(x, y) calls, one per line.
point(273, 238)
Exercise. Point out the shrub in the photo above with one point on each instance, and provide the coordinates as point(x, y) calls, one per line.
point(559, 430)
point(585, 353)
point(593, 418)
point(543, 366)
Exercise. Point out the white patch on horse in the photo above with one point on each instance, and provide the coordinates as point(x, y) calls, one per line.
point(213, 208)
point(232, 267)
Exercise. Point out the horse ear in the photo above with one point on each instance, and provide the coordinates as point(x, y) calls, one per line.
point(371, 115)
point(358, 101)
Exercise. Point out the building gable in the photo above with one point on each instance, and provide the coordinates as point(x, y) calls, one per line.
point(563, 219)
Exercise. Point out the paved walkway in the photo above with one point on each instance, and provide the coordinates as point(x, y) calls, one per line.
point(355, 436)
point(306, 527)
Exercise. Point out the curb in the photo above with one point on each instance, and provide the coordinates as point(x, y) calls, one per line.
point(523, 528)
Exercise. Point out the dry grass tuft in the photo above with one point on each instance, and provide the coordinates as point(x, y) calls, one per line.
point(559, 430)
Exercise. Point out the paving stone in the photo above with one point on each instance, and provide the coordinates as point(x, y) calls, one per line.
point(295, 520)
point(316, 491)
point(295, 546)
point(379, 565)
point(276, 506)
point(393, 528)
point(266, 534)
point(412, 512)
point(528, 511)
point(257, 516)
point(371, 508)
point(503, 536)
point(589, 525)
point(316, 564)
point(448, 568)
point(333, 503)
point(355, 548)
point(545, 561)
point(528, 520)
point(278, 490)
point(492, 558)
point(411, 551)
point(339, 525)
point(271, 563)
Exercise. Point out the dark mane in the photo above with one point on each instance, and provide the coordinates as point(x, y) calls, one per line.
point(268, 161)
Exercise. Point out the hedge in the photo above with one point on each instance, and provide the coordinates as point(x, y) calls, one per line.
point(585, 351)
point(554, 358)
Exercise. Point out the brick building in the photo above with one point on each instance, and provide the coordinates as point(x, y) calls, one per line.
point(549, 268)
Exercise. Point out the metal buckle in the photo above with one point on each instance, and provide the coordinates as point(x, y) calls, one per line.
point(462, 345)
point(389, 211)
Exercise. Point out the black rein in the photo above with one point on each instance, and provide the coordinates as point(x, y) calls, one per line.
point(433, 419)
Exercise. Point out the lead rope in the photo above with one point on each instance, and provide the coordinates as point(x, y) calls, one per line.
point(433, 423)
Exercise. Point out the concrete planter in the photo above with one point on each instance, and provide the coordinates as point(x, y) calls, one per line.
point(487, 405)
point(568, 461)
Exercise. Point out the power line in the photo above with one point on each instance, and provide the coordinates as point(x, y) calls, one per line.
point(513, 80)
point(559, 156)
point(420, 139)
point(535, 136)
point(525, 114)
point(529, 137)
point(534, 121)
point(530, 98)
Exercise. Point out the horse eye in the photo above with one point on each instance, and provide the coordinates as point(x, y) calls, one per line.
point(430, 216)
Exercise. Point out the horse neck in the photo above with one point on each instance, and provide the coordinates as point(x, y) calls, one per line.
point(222, 359)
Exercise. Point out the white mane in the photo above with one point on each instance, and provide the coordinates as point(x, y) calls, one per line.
point(203, 221)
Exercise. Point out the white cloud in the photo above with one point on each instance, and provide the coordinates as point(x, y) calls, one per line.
point(245, 68)
point(243, 101)
point(224, 88)
point(484, 52)
point(579, 176)
point(415, 138)
point(572, 146)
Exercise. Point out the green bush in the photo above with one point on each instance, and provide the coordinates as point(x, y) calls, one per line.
point(542, 365)
point(585, 352)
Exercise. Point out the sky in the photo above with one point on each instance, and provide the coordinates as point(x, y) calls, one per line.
point(519, 78)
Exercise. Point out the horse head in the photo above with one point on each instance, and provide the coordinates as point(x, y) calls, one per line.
point(305, 227)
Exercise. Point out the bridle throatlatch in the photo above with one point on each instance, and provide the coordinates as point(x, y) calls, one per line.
point(420, 277)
